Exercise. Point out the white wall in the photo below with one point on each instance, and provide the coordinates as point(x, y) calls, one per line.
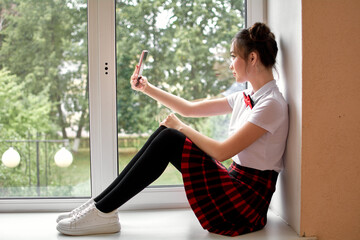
point(284, 19)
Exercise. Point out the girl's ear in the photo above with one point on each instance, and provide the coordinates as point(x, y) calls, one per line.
point(253, 58)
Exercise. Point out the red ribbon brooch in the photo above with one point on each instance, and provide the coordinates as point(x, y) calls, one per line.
point(248, 101)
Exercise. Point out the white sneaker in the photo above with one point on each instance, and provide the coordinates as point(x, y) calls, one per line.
point(75, 211)
point(90, 221)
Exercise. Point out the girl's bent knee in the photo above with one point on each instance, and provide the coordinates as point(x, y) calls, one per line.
point(172, 136)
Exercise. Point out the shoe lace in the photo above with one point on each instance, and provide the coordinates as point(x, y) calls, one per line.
point(80, 208)
point(82, 213)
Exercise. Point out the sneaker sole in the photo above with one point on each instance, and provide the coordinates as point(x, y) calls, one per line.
point(103, 229)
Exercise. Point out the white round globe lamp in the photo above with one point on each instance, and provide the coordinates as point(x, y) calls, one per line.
point(11, 158)
point(63, 158)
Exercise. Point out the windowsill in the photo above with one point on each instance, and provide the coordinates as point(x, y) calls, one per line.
point(178, 224)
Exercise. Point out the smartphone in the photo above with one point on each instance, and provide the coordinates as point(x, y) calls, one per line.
point(141, 65)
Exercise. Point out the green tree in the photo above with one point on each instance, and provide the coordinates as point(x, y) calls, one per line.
point(186, 41)
point(19, 113)
point(44, 44)
point(41, 40)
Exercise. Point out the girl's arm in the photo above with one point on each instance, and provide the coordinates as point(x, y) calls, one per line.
point(186, 108)
point(179, 105)
point(220, 151)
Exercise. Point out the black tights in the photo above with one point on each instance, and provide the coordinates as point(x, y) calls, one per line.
point(164, 145)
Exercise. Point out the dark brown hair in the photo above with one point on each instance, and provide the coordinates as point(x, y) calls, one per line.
point(257, 38)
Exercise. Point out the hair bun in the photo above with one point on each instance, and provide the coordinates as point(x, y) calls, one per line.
point(257, 38)
point(260, 32)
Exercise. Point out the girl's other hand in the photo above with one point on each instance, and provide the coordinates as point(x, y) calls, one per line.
point(138, 85)
point(172, 121)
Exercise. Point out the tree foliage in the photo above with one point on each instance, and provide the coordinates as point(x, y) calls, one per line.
point(20, 113)
point(44, 44)
point(186, 41)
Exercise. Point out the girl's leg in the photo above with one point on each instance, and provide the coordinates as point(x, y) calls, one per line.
point(164, 148)
point(130, 165)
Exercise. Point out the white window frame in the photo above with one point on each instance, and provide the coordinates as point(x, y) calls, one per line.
point(255, 11)
point(103, 122)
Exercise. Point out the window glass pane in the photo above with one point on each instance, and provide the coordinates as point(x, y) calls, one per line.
point(44, 139)
point(188, 43)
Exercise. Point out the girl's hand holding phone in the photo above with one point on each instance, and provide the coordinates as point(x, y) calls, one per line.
point(138, 83)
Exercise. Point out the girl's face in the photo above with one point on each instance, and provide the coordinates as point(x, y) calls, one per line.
point(238, 65)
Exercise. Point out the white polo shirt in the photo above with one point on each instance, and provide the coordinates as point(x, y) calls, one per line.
point(270, 113)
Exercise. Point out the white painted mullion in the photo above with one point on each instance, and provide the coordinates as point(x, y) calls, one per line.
point(102, 93)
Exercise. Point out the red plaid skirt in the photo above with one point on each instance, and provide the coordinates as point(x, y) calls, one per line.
point(230, 201)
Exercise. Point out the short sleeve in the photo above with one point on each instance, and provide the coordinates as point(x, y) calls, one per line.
point(269, 114)
point(232, 99)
